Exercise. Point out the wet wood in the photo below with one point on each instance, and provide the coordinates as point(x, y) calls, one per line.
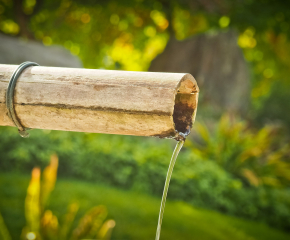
point(103, 101)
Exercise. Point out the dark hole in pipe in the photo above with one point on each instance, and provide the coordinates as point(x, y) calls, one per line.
point(183, 112)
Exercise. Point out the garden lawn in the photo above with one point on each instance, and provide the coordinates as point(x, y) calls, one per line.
point(135, 214)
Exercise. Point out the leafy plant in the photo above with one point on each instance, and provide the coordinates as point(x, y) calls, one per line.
point(42, 224)
point(257, 157)
point(141, 164)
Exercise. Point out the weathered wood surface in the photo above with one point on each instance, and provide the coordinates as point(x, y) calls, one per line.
point(103, 101)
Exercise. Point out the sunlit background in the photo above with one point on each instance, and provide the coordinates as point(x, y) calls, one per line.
point(232, 178)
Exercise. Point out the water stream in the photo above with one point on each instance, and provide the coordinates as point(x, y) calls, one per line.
point(166, 185)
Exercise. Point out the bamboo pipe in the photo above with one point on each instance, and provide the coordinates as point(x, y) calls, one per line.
point(102, 101)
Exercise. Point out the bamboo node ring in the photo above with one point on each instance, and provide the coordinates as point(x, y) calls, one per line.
point(10, 98)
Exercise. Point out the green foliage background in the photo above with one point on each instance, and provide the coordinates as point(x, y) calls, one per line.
point(127, 35)
point(140, 165)
point(135, 213)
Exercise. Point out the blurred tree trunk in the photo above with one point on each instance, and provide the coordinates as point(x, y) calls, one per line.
point(218, 65)
point(23, 19)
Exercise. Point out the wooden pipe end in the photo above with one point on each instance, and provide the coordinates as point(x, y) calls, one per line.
point(185, 106)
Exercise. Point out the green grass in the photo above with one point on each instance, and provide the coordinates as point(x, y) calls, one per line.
point(135, 213)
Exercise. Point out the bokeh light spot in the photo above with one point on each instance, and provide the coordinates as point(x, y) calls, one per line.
point(268, 73)
point(224, 21)
point(68, 44)
point(246, 39)
point(30, 236)
point(114, 19)
point(47, 41)
point(9, 27)
point(123, 25)
point(150, 31)
point(159, 19)
point(75, 49)
point(85, 18)
point(258, 55)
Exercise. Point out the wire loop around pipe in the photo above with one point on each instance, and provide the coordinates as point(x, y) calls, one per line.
point(10, 98)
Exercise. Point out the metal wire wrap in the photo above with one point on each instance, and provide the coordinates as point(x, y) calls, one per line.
point(10, 98)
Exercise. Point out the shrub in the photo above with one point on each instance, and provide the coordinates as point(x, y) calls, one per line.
point(233, 169)
point(41, 223)
point(256, 157)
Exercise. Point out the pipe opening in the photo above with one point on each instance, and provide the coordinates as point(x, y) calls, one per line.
point(185, 106)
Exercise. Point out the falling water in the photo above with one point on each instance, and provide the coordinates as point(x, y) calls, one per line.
point(166, 185)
